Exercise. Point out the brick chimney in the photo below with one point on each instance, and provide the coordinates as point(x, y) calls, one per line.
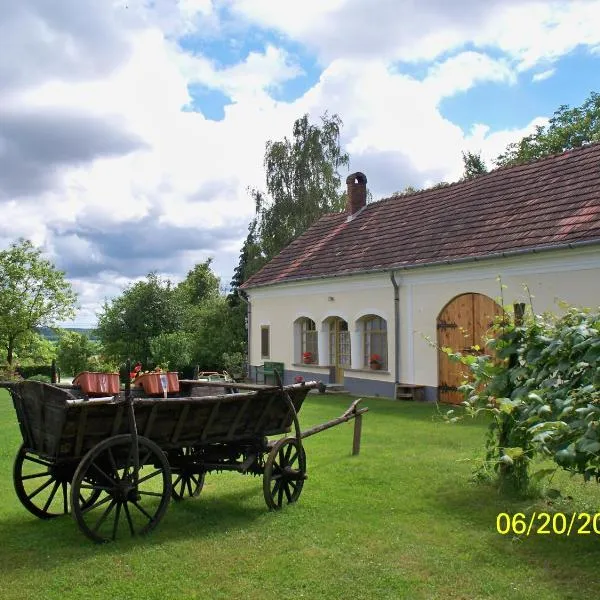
point(357, 192)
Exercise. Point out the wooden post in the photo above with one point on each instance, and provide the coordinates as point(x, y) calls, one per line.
point(195, 373)
point(519, 308)
point(357, 433)
point(53, 372)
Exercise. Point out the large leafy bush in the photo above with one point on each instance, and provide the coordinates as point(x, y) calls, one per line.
point(543, 391)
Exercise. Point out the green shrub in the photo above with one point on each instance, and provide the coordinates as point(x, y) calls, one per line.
point(234, 363)
point(9, 373)
point(40, 377)
point(543, 391)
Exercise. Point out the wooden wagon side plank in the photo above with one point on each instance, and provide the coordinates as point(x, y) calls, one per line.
point(118, 420)
point(238, 418)
point(150, 421)
point(185, 409)
point(211, 420)
point(81, 430)
point(266, 413)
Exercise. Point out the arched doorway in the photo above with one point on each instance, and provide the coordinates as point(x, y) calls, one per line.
point(461, 325)
point(339, 347)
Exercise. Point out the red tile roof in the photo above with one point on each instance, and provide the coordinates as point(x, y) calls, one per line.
point(546, 203)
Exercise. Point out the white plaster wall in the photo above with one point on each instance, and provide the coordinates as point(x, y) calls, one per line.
point(349, 298)
point(572, 276)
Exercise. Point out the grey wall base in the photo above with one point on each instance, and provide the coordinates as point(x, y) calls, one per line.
point(354, 385)
point(369, 387)
point(289, 376)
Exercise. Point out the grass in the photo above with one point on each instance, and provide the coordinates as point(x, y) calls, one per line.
point(402, 520)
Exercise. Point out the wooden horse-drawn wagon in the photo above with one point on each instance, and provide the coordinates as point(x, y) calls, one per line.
point(115, 462)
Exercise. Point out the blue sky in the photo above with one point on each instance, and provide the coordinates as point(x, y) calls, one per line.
point(574, 77)
point(130, 134)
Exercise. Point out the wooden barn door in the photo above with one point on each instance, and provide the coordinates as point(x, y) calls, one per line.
point(461, 325)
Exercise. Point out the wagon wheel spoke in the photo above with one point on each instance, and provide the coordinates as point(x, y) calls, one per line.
point(187, 482)
point(104, 515)
point(150, 476)
point(41, 488)
point(38, 461)
point(111, 480)
point(111, 459)
point(97, 504)
point(35, 476)
point(286, 488)
point(129, 521)
point(149, 517)
point(157, 494)
point(98, 487)
point(116, 521)
point(52, 494)
point(65, 497)
point(284, 473)
point(143, 497)
point(288, 452)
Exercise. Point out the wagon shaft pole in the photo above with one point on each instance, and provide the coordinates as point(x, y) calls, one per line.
point(353, 412)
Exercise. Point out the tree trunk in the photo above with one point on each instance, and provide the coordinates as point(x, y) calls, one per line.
point(9, 354)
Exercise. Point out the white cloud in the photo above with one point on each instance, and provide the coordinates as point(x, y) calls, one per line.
point(461, 72)
point(544, 31)
point(188, 177)
point(529, 31)
point(543, 75)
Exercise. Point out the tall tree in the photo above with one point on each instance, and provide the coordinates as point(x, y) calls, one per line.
point(251, 260)
point(33, 293)
point(473, 164)
point(302, 182)
point(219, 329)
point(200, 284)
point(75, 351)
point(146, 309)
point(34, 349)
point(568, 128)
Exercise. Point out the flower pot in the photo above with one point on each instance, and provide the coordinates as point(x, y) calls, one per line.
point(98, 384)
point(375, 366)
point(152, 384)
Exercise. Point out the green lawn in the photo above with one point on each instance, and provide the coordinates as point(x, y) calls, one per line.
point(402, 520)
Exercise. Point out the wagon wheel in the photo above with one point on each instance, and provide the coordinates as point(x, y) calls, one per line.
point(42, 485)
point(285, 472)
point(186, 481)
point(143, 497)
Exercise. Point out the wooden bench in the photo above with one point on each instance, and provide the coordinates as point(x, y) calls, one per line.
point(268, 370)
point(409, 391)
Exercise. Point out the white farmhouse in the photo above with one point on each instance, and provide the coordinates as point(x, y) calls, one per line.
point(358, 298)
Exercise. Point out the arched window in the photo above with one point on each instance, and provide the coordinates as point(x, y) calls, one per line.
point(374, 334)
point(308, 337)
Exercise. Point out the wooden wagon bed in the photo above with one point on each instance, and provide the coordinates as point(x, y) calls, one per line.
point(115, 462)
point(56, 424)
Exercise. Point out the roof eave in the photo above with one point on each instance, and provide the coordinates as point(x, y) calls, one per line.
point(437, 263)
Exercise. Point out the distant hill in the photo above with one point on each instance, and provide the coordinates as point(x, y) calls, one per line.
point(51, 335)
